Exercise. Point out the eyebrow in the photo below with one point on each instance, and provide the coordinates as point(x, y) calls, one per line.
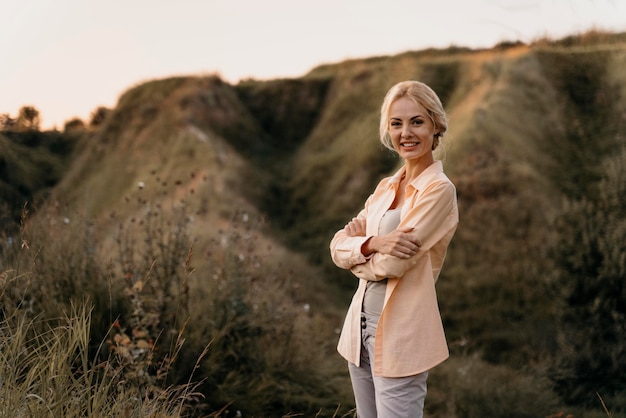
point(412, 117)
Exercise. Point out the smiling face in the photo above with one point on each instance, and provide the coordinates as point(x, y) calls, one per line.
point(412, 131)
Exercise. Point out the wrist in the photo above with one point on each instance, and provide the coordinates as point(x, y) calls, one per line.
point(368, 246)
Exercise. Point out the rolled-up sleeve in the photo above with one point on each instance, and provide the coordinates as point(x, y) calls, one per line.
point(346, 251)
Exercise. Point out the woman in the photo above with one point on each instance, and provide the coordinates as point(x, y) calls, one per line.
point(396, 246)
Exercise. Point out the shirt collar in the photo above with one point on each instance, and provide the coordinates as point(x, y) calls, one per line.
point(425, 176)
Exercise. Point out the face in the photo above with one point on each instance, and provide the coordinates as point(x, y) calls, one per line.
point(412, 130)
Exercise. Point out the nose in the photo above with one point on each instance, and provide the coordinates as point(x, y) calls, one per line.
point(406, 132)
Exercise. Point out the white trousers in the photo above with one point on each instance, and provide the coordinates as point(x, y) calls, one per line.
point(384, 397)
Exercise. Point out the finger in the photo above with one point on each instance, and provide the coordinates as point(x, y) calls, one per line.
point(414, 239)
point(410, 249)
point(404, 255)
point(414, 245)
point(402, 251)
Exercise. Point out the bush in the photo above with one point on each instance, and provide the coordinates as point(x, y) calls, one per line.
point(590, 268)
point(475, 389)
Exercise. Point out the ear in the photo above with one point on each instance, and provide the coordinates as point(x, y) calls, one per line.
point(436, 139)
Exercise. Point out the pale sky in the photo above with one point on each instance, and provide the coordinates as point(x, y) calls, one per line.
point(67, 57)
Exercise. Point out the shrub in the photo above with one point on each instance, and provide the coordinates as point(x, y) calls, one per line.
point(475, 389)
point(590, 265)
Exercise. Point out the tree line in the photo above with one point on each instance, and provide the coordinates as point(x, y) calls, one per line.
point(29, 119)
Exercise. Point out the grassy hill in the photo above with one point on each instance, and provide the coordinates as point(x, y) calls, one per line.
point(535, 148)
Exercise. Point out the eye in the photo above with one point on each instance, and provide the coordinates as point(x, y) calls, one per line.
point(417, 122)
point(395, 123)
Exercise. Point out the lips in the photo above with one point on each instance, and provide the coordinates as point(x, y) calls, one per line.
point(409, 144)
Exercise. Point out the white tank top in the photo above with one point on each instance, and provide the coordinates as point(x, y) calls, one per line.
point(375, 292)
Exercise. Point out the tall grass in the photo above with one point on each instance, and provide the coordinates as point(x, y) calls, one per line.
point(54, 361)
point(47, 371)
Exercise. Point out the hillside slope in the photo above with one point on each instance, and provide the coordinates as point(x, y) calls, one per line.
point(529, 125)
point(179, 145)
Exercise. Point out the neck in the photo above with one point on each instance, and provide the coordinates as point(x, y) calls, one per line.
point(415, 167)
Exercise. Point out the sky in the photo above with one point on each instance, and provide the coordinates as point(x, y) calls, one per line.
point(67, 57)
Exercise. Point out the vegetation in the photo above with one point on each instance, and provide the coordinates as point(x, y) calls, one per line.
point(589, 284)
point(31, 163)
point(177, 263)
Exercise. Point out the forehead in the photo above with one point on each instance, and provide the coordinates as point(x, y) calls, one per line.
point(404, 107)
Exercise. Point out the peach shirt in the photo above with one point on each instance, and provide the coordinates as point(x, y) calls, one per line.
point(410, 338)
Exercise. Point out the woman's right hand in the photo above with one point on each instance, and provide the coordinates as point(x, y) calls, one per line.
point(401, 243)
point(355, 228)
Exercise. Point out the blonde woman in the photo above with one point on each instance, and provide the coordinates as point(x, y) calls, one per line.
point(396, 245)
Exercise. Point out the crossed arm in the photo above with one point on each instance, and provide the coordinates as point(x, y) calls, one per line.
point(401, 243)
point(373, 257)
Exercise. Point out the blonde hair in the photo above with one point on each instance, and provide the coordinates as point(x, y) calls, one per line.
point(421, 94)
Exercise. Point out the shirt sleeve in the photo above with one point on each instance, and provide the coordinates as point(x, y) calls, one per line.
point(433, 216)
point(345, 251)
